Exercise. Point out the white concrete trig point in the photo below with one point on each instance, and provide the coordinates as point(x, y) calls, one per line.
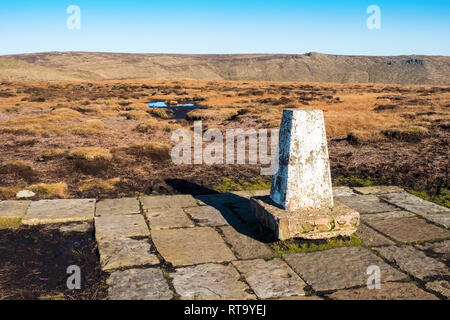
point(301, 199)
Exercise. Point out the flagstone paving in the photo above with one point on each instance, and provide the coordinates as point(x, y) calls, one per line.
point(113, 227)
point(177, 201)
point(412, 203)
point(13, 209)
point(409, 229)
point(387, 291)
point(125, 252)
point(138, 284)
point(414, 262)
point(60, 211)
point(439, 218)
point(208, 216)
point(75, 227)
point(210, 281)
point(339, 268)
point(117, 207)
point(440, 286)
point(428, 210)
point(366, 204)
point(271, 279)
point(243, 210)
point(439, 249)
point(246, 242)
point(378, 189)
point(167, 218)
point(386, 215)
point(342, 192)
point(211, 247)
point(371, 237)
point(191, 246)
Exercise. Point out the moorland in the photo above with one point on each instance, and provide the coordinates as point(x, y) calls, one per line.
point(65, 139)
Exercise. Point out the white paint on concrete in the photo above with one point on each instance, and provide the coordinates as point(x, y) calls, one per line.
point(303, 179)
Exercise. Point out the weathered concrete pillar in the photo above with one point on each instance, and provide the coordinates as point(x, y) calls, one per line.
point(303, 179)
point(301, 200)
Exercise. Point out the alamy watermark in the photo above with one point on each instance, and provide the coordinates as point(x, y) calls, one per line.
point(374, 20)
point(238, 147)
point(374, 279)
point(74, 20)
point(74, 280)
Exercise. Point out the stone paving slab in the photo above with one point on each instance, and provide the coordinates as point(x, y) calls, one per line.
point(13, 209)
point(441, 249)
point(75, 227)
point(191, 246)
point(271, 279)
point(372, 238)
point(126, 226)
point(245, 243)
point(167, 218)
point(342, 191)
point(110, 207)
point(414, 204)
point(125, 252)
point(219, 199)
point(339, 268)
point(209, 282)
point(244, 211)
point(175, 201)
point(388, 291)
point(60, 211)
point(439, 218)
point(208, 216)
point(414, 262)
point(378, 189)
point(138, 284)
point(440, 286)
point(409, 229)
point(366, 204)
point(387, 215)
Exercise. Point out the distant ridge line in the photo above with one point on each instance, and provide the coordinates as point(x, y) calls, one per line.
point(308, 67)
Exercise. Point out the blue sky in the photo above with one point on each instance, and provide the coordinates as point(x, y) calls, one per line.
point(172, 26)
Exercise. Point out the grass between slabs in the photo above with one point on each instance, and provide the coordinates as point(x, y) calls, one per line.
point(300, 245)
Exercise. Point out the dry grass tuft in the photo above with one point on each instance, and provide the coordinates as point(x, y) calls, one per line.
point(64, 114)
point(159, 113)
point(8, 192)
point(211, 114)
point(135, 115)
point(88, 128)
point(91, 160)
point(43, 124)
point(91, 154)
point(19, 167)
point(50, 154)
point(154, 150)
point(50, 190)
point(153, 125)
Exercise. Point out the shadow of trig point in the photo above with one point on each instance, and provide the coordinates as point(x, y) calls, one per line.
point(301, 199)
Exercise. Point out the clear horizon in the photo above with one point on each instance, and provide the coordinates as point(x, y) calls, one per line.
point(227, 27)
point(223, 54)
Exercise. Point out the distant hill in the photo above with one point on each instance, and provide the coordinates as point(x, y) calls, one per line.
point(310, 67)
